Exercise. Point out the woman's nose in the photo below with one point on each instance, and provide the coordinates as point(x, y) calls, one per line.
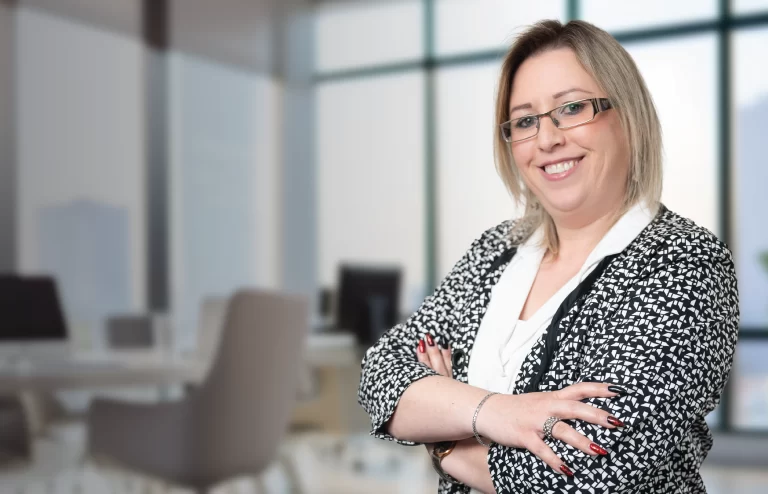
point(549, 134)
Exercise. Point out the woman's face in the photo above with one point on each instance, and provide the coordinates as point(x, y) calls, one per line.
point(597, 151)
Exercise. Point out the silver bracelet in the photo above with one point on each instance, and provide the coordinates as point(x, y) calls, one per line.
point(474, 418)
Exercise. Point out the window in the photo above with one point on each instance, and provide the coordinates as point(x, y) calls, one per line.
point(224, 174)
point(353, 36)
point(624, 16)
point(370, 155)
point(681, 75)
point(80, 163)
point(463, 26)
point(749, 6)
point(471, 195)
point(750, 176)
point(750, 386)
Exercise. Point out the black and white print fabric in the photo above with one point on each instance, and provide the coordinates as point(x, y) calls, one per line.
point(661, 319)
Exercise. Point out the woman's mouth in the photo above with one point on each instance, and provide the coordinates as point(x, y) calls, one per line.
point(561, 169)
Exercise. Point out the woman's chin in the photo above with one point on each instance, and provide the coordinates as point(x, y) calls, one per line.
point(565, 206)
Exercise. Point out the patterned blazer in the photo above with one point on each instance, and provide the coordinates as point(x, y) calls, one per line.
point(660, 318)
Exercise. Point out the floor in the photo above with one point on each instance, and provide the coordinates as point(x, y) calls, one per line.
point(327, 465)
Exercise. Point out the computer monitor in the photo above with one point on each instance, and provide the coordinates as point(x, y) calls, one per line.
point(31, 313)
point(368, 301)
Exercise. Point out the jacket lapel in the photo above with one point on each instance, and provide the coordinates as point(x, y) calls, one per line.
point(474, 310)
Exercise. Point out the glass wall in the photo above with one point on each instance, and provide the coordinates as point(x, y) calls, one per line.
point(224, 185)
point(81, 181)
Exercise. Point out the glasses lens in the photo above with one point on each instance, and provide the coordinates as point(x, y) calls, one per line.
point(575, 113)
point(522, 128)
point(505, 131)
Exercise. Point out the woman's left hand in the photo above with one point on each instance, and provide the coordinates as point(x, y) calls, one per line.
point(437, 358)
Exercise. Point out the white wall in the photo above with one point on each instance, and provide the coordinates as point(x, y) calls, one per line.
point(81, 156)
point(225, 184)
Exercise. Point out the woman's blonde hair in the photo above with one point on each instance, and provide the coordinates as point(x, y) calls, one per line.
point(616, 73)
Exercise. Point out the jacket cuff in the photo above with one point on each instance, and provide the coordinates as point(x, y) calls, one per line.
point(391, 387)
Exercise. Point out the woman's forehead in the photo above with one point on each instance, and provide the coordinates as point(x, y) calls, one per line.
point(550, 75)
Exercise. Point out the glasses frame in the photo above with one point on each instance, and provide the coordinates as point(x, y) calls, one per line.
point(598, 105)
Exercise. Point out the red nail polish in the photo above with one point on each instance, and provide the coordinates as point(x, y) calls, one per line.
point(614, 421)
point(422, 348)
point(566, 470)
point(430, 341)
point(597, 449)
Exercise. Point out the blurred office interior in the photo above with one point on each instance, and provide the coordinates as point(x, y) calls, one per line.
point(168, 167)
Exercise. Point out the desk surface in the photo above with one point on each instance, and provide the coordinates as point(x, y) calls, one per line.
point(151, 368)
point(139, 370)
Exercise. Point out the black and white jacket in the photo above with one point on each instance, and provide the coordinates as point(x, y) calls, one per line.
point(660, 318)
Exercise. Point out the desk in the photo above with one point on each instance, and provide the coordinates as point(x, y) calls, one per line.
point(335, 349)
point(333, 366)
point(129, 370)
point(152, 368)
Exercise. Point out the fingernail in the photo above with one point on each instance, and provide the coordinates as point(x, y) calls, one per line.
point(614, 421)
point(566, 470)
point(430, 341)
point(423, 349)
point(443, 344)
point(597, 449)
point(617, 389)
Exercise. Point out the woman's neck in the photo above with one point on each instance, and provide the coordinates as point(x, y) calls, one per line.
point(577, 239)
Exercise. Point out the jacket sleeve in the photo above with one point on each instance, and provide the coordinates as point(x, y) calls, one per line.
point(390, 365)
point(670, 343)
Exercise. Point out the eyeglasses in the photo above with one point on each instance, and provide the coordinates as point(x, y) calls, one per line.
point(564, 117)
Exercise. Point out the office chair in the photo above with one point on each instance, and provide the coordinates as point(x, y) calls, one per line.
point(232, 425)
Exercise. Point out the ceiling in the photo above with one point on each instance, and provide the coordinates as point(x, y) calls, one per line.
point(238, 32)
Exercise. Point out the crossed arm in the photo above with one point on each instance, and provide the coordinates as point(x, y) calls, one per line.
point(670, 343)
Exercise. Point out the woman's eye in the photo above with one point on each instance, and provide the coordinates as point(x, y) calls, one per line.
point(573, 108)
point(525, 122)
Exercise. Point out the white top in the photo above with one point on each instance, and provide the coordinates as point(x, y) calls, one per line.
point(503, 340)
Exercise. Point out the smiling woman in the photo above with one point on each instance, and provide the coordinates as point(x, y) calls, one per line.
point(563, 351)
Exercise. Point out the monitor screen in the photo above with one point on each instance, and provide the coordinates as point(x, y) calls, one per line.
point(368, 300)
point(30, 310)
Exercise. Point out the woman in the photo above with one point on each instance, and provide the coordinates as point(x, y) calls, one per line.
point(579, 348)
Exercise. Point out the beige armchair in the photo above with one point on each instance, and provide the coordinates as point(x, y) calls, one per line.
point(230, 426)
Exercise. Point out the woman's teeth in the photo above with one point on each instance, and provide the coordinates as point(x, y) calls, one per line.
point(559, 167)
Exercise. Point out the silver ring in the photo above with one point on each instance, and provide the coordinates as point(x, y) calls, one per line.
point(548, 425)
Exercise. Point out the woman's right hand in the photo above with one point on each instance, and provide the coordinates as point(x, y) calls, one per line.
point(518, 420)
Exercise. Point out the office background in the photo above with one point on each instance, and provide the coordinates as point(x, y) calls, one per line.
point(156, 152)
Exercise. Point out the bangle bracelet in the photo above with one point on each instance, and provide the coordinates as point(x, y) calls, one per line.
point(474, 418)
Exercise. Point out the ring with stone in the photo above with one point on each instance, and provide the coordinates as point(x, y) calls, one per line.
point(548, 425)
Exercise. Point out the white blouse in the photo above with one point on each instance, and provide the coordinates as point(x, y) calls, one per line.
point(503, 340)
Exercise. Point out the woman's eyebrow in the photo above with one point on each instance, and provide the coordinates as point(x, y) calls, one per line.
point(571, 90)
point(559, 94)
point(526, 106)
